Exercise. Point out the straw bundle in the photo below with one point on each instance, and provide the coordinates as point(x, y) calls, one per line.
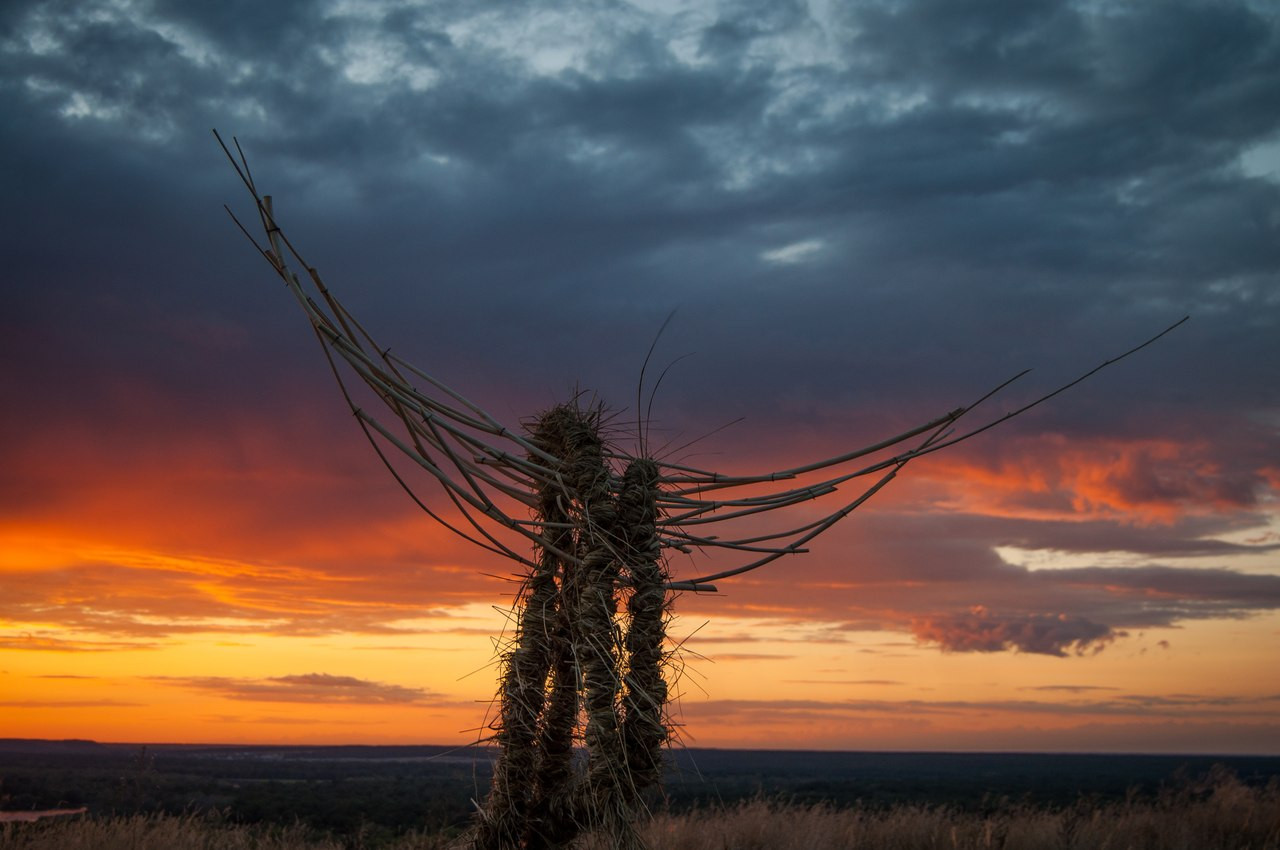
point(563, 680)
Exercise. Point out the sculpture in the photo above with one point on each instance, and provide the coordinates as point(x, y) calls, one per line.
point(585, 668)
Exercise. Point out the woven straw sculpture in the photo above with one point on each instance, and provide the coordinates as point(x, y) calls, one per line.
point(582, 697)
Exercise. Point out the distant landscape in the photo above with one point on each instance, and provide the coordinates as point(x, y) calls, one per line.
point(378, 795)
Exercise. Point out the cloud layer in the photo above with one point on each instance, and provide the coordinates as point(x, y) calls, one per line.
point(864, 215)
point(306, 688)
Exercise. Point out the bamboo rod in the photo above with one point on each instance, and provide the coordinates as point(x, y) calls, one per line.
point(434, 426)
point(493, 546)
point(716, 479)
point(453, 488)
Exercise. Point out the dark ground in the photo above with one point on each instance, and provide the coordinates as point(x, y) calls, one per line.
point(393, 789)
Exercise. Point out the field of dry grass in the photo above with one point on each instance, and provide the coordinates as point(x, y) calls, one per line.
point(1222, 815)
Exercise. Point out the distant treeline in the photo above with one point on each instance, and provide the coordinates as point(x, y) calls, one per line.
point(385, 793)
point(1217, 813)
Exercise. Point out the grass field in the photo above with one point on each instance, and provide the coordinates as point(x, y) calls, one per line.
point(1221, 813)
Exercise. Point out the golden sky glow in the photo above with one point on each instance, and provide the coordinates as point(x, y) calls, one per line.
point(379, 628)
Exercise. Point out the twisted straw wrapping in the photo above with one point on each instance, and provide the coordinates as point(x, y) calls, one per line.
point(644, 729)
point(523, 695)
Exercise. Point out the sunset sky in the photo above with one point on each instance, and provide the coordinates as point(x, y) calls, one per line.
point(863, 214)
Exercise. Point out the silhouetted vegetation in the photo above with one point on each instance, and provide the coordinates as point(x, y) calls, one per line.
point(340, 790)
point(1216, 812)
point(378, 796)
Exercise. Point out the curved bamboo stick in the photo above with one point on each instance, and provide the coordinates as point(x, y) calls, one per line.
point(465, 449)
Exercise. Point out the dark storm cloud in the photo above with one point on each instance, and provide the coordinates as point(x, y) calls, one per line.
point(866, 215)
point(1004, 139)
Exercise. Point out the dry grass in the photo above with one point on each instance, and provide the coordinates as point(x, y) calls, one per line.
point(1224, 814)
point(150, 832)
point(187, 832)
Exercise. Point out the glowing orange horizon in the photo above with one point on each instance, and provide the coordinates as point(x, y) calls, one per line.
point(242, 595)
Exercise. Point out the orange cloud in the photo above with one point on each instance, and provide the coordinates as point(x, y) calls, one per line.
point(45, 642)
point(291, 481)
point(1151, 481)
point(76, 587)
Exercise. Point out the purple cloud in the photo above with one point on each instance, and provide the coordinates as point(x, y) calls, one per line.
point(307, 687)
point(1043, 634)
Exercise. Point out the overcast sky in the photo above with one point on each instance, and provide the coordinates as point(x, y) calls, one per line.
point(862, 213)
